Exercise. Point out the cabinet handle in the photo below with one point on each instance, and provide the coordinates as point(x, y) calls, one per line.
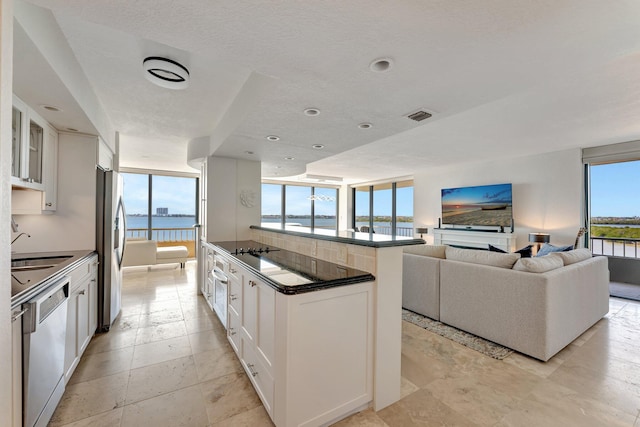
point(233, 270)
point(233, 297)
point(232, 331)
point(48, 204)
point(81, 292)
point(252, 283)
point(18, 315)
point(250, 366)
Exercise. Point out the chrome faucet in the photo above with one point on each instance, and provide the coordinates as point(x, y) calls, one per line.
point(18, 236)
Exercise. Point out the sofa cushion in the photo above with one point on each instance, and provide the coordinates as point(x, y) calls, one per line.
point(539, 264)
point(576, 255)
point(547, 248)
point(434, 251)
point(482, 257)
point(525, 252)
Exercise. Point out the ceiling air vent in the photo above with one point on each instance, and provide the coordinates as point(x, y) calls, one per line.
point(419, 116)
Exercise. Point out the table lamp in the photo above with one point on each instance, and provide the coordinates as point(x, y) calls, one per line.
point(539, 238)
point(422, 230)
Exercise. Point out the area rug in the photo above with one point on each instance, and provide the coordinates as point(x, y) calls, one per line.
point(476, 343)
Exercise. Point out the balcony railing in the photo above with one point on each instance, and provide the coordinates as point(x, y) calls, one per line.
point(618, 246)
point(167, 237)
point(400, 231)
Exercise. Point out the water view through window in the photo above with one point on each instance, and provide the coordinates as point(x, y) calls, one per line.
point(306, 206)
point(383, 215)
point(170, 216)
point(615, 209)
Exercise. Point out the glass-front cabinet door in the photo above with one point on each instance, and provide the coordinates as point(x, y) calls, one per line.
point(16, 146)
point(36, 141)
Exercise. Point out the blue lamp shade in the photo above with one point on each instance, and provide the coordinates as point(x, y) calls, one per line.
point(539, 237)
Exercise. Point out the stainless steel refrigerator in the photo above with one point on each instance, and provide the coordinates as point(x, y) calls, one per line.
point(110, 241)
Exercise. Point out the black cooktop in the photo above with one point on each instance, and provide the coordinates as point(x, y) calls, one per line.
point(291, 272)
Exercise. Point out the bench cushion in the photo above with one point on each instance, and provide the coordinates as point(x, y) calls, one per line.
point(172, 252)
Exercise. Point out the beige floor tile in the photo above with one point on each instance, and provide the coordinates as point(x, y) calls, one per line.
point(553, 405)
point(407, 387)
point(160, 351)
point(154, 380)
point(102, 364)
point(207, 340)
point(89, 398)
point(105, 419)
point(228, 396)
point(217, 363)
point(182, 408)
point(422, 409)
point(256, 417)
point(202, 323)
point(112, 340)
point(123, 323)
point(161, 332)
point(159, 317)
point(367, 418)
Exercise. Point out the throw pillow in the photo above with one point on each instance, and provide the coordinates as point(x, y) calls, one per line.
point(482, 257)
point(434, 251)
point(525, 252)
point(539, 265)
point(546, 249)
point(576, 255)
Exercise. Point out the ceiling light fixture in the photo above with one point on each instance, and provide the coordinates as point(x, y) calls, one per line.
point(321, 178)
point(381, 65)
point(165, 73)
point(272, 138)
point(365, 125)
point(318, 146)
point(289, 158)
point(248, 152)
point(312, 112)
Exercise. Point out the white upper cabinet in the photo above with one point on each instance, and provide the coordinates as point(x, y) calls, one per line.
point(50, 170)
point(30, 135)
point(105, 156)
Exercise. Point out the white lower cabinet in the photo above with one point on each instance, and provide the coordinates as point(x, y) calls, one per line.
point(16, 368)
point(81, 313)
point(309, 356)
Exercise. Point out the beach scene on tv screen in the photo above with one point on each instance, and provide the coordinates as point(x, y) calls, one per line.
point(488, 205)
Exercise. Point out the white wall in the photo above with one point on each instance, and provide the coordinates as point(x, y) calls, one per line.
point(73, 225)
point(6, 83)
point(547, 192)
point(227, 218)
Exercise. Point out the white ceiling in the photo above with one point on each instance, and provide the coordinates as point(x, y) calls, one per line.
point(503, 78)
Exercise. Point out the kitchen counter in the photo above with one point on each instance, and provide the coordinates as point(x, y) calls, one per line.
point(374, 240)
point(291, 272)
point(25, 284)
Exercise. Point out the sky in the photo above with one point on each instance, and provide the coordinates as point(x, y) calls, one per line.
point(176, 193)
point(614, 189)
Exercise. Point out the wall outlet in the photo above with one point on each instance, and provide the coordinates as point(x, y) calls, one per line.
point(342, 253)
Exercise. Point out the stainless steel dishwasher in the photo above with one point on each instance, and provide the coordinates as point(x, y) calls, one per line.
point(44, 327)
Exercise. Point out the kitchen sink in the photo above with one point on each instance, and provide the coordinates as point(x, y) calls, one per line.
point(21, 264)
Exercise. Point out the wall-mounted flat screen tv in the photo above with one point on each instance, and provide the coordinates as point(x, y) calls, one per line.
point(484, 205)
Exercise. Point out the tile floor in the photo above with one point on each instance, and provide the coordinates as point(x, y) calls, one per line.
point(166, 362)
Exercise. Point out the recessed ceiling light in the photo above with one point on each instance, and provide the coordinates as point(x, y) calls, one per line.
point(312, 111)
point(248, 152)
point(72, 130)
point(289, 158)
point(165, 73)
point(51, 108)
point(365, 125)
point(272, 138)
point(318, 146)
point(381, 65)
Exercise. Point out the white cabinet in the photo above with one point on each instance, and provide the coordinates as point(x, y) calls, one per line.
point(105, 156)
point(81, 313)
point(28, 142)
point(50, 170)
point(308, 356)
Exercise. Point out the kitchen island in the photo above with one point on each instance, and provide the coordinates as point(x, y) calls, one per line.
point(337, 344)
point(301, 328)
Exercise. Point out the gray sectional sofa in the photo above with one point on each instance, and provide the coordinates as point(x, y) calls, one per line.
point(535, 306)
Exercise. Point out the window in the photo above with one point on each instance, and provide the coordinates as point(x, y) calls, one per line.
point(392, 206)
point(315, 207)
point(615, 209)
point(161, 208)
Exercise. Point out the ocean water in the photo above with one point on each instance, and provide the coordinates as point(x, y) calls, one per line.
point(172, 226)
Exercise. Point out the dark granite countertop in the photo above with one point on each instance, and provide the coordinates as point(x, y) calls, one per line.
point(354, 238)
point(291, 272)
point(25, 284)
